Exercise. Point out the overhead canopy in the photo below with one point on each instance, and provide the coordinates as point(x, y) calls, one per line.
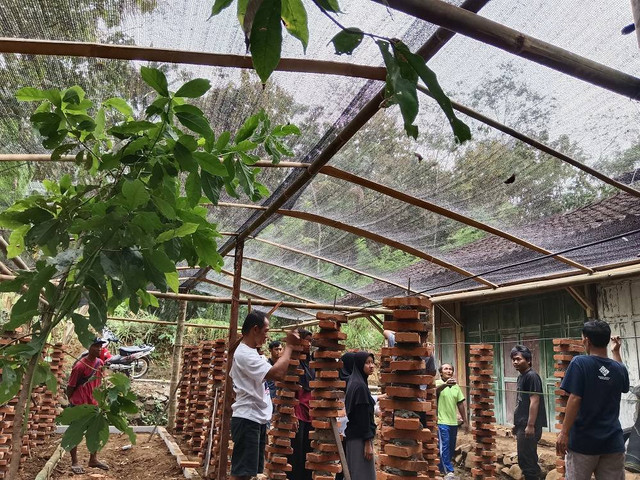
point(389, 215)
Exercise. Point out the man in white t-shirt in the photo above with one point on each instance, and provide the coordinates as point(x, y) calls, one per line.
point(252, 408)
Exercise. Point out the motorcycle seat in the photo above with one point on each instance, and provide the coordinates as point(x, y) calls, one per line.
point(130, 350)
point(115, 359)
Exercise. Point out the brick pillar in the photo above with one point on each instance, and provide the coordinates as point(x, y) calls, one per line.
point(407, 389)
point(192, 406)
point(284, 419)
point(219, 367)
point(564, 350)
point(483, 418)
point(183, 389)
point(327, 396)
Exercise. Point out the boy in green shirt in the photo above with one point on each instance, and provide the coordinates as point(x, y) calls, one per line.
point(450, 403)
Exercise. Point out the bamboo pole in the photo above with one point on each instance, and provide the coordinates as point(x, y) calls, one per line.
point(225, 424)
point(45, 157)
point(165, 55)
point(176, 364)
point(512, 41)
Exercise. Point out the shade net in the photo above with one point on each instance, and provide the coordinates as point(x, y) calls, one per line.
point(493, 179)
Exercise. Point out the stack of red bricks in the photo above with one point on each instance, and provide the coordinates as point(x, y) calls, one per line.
point(386, 415)
point(184, 390)
point(284, 420)
point(564, 349)
point(219, 369)
point(45, 409)
point(327, 396)
point(202, 399)
point(407, 441)
point(482, 411)
point(192, 406)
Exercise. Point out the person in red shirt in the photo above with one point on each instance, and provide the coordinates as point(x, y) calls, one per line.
point(85, 376)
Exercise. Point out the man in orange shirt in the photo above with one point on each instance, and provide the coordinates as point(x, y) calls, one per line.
point(85, 376)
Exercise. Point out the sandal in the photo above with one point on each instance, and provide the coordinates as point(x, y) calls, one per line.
point(100, 465)
point(77, 469)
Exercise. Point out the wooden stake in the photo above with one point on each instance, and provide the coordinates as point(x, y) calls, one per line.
point(343, 457)
point(175, 365)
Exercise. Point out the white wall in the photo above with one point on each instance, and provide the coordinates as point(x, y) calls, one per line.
point(619, 305)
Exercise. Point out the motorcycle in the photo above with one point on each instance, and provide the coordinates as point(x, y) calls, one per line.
point(133, 361)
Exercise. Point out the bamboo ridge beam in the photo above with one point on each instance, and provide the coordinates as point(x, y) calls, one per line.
point(268, 287)
point(261, 303)
point(343, 175)
point(493, 33)
point(165, 55)
point(311, 217)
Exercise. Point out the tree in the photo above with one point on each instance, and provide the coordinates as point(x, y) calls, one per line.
point(125, 223)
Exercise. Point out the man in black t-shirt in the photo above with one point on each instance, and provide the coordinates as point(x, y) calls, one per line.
point(530, 415)
point(591, 434)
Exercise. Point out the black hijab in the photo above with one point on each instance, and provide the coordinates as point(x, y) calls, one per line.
point(308, 375)
point(357, 388)
point(347, 366)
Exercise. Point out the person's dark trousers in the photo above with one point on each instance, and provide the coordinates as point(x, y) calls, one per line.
point(528, 453)
point(447, 436)
point(301, 446)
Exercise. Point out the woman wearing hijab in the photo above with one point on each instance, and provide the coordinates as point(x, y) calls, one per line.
point(344, 373)
point(361, 428)
point(301, 443)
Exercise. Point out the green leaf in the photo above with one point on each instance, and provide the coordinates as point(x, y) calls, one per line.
point(161, 261)
point(461, 131)
point(194, 88)
point(347, 40)
point(29, 94)
point(207, 250)
point(97, 434)
point(27, 305)
point(329, 5)
point(211, 186)
point(218, 6)
point(211, 163)
point(121, 424)
point(285, 130)
point(186, 229)
point(73, 414)
point(245, 177)
point(184, 157)
point(130, 128)
point(120, 381)
point(248, 127)
point(148, 221)
point(61, 150)
point(266, 38)
point(16, 241)
point(11, 380)
point(164, 208)
point(193, 118)
point(76, 430)
point(223, 140)
point(156, 80)
point(401, 87)
point(135, 193)
point(43, 374)
point(193, 188)
point(81, 327)
point(172, 280)
point(120, 105)
point(294, 16)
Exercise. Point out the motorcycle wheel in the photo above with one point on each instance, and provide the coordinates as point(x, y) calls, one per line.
point(139, 367)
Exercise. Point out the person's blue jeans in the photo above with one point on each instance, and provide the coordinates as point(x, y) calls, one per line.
point(447, 436)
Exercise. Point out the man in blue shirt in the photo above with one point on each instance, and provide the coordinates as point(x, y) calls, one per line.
point(591, 434)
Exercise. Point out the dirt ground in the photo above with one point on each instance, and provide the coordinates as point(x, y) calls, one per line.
point(144, 461)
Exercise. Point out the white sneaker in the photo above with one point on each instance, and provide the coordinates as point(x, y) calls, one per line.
point(450, 476)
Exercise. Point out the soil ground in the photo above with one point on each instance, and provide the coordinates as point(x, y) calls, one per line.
point(144, 461)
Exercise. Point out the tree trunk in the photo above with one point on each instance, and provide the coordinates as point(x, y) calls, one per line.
point(176, 366)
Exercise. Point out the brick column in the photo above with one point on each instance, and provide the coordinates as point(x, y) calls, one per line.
point(219, 367)
point(183, 389)
point(564, 350)
point(284, 419)
point(406, 440)
point(327, 396)
point(483, 418)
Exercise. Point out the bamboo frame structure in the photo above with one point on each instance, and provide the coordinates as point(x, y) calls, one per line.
point(328, 260)
point(430, 48)
point(318, 279)
point(311, 217)
point(512, 41)
point(349, 177)
point(268, 287)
